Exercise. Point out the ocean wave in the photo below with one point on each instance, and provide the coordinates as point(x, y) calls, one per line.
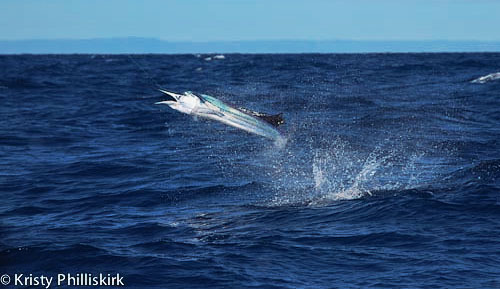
point(391, 166)
point(487, 78)
point(22, 83)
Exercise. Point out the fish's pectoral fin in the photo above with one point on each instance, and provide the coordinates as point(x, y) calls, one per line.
point(208, 111)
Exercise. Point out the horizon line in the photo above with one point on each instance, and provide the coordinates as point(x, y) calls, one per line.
point(145, 45)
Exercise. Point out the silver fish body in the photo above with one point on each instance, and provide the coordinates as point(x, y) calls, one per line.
point(209, 107)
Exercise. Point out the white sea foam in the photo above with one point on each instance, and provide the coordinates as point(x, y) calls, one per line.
point(215, 57)
point(219, 56)
point(487, 78)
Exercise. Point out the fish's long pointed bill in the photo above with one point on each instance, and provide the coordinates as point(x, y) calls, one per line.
point(175, 96)
point(167, 102)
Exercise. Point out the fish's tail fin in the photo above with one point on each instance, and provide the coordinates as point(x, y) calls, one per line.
point(276, 120)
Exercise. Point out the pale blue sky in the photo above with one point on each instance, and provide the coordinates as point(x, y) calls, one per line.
point(196, 20)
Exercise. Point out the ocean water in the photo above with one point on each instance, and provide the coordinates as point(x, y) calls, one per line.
point(389, 176)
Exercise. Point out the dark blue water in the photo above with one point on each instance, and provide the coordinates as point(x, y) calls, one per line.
point(389, 178)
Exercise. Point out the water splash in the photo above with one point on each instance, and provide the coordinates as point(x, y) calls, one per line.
point(339, 176)
point(340, 172)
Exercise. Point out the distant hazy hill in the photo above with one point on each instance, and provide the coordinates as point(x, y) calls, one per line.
point(150, 45)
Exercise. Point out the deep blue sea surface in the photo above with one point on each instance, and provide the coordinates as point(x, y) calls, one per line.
point(390, 176)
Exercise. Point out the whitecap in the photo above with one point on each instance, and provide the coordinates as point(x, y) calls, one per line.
point(487, 78)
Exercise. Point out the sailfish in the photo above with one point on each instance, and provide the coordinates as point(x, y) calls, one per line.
point(206, 106)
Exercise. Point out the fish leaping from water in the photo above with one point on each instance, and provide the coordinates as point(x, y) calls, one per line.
point(207, 106)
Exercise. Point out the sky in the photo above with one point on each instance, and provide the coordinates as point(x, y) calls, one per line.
point(236, 20)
